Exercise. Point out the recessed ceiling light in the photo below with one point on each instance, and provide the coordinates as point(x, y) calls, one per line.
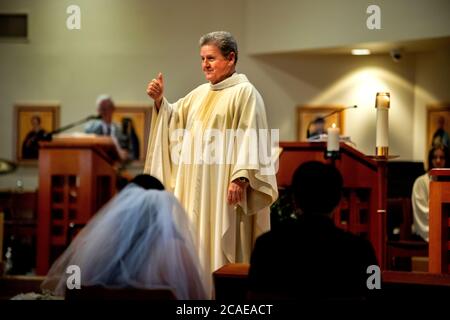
point(360, 52)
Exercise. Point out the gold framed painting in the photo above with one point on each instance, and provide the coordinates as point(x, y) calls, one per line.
point(135, 124)
point(309, 119)
point(32, 122)
point(438, 125)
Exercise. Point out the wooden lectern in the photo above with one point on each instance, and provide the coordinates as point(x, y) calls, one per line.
point(76, 177)
point(363, 208)
point(439, 232)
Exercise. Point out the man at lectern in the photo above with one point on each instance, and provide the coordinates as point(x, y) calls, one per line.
point(104, 125)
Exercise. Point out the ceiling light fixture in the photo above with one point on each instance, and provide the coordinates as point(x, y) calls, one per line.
point(360, 52)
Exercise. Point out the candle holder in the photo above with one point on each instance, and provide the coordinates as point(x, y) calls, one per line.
point(382, 152)
point(333, 154)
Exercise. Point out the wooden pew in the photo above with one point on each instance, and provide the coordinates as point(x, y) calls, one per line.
point(14, 285)
point(90, 293)
point(230, 283)
point(439, 235)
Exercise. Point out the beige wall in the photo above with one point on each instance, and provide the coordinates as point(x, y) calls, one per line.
point(292, 25)
point(123, 44)
point(432, 85)
point(290, 80)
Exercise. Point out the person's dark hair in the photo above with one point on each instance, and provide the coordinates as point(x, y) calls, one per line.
point(147, 182)
point(222, 40)
point(316, 187)
point(319, 120)
point(446, 156)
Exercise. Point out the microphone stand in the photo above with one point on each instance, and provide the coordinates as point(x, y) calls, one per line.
point(48, 136)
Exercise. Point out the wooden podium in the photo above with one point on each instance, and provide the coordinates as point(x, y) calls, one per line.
point(439, 232)
point(76, 177)
point(363, 207)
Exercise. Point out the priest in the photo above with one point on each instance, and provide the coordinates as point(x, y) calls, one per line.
point(212, 148)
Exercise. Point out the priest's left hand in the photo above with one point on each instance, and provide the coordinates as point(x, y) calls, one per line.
point(236, 191)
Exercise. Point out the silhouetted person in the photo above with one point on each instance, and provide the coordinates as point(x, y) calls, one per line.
point(309, 257)
point(147, 182)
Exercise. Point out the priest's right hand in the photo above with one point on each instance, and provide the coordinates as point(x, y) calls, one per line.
point(155, 90)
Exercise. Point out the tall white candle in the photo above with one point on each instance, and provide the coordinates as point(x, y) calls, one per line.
point(382, 105)
point(333, 138)
point(382, 128)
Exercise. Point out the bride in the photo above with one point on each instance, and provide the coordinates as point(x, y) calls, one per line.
point(142, 239)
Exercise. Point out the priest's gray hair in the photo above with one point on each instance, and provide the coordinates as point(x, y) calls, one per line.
point(223, 40)
point(104, 97)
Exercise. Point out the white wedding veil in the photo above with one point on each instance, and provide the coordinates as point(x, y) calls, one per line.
point(140, 238)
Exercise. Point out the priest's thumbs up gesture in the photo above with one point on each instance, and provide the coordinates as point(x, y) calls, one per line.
point(155, 90)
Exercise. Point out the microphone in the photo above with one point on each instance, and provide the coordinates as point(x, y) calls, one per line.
point(327, 116)
point(94, 117)
point(339, 110)
point(48, 136)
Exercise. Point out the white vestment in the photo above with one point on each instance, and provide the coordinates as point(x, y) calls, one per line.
point(200, 173)
point(420, 205)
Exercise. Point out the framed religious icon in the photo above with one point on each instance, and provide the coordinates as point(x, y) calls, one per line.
point(32, 123)
point(438, 125)
point(314, 120)
point(134, 122)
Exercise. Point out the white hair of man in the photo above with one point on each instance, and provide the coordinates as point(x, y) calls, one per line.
point(223, 40)
point(103, 97)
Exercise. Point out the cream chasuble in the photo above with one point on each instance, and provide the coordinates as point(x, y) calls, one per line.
point(185, 155)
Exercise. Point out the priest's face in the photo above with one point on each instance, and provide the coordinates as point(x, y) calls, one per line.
point(215, 66)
